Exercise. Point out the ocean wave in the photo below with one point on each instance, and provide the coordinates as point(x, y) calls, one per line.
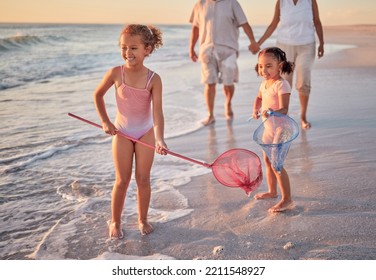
point(21, 41)
point(23, 160)
point(18, 41)
point(48, 153)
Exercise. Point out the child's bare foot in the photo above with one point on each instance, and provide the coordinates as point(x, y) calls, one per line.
point(265, 195)
point(145, 227)
point(115, 231)
point(209, 120)
point(281, 206)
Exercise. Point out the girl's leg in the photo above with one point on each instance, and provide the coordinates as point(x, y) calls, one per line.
point(284, 183)
point(122, 152)
point(271, 180)
point(144, 162)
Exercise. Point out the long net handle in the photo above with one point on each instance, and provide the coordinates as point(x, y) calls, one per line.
point(143, 143)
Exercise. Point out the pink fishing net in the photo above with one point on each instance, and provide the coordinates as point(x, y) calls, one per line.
point(238, 168)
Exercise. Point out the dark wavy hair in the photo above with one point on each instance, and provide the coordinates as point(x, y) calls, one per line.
point(280, 56)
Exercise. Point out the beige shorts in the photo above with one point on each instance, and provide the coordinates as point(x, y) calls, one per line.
point(219, 66)
point(303, 57)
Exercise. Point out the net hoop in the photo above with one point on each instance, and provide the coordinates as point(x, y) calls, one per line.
point(238, 168)
point(275, 135)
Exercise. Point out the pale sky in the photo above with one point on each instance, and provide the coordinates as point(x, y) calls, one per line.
point(259, 12)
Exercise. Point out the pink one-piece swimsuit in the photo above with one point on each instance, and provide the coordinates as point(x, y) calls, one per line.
point(134, 114)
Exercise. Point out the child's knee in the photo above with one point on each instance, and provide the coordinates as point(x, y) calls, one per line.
point(122, 183)
point(143, 180)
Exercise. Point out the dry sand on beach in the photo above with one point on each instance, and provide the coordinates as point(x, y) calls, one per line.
point(331, 169)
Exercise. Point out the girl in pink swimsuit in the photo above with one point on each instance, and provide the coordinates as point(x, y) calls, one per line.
point(134, 116)
point(140, 115)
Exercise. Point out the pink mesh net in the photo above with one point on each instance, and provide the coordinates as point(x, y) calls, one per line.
point(238, 168)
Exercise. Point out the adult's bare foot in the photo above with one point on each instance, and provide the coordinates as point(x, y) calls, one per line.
point(209, 120)
point(305, 124)
point(229, 114)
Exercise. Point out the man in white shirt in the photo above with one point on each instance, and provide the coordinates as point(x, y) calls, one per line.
point(215, 23)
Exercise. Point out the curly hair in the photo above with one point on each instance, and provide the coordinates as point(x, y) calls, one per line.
point(151, 35)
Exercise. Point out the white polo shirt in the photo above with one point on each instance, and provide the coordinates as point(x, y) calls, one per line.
point(218, 23)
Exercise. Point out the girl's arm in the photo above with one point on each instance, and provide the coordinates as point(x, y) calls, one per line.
point(106, 83)
point(257, 106)
point(318, 27)
point(284, 100)
point(156, 89)
point(273, 25)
